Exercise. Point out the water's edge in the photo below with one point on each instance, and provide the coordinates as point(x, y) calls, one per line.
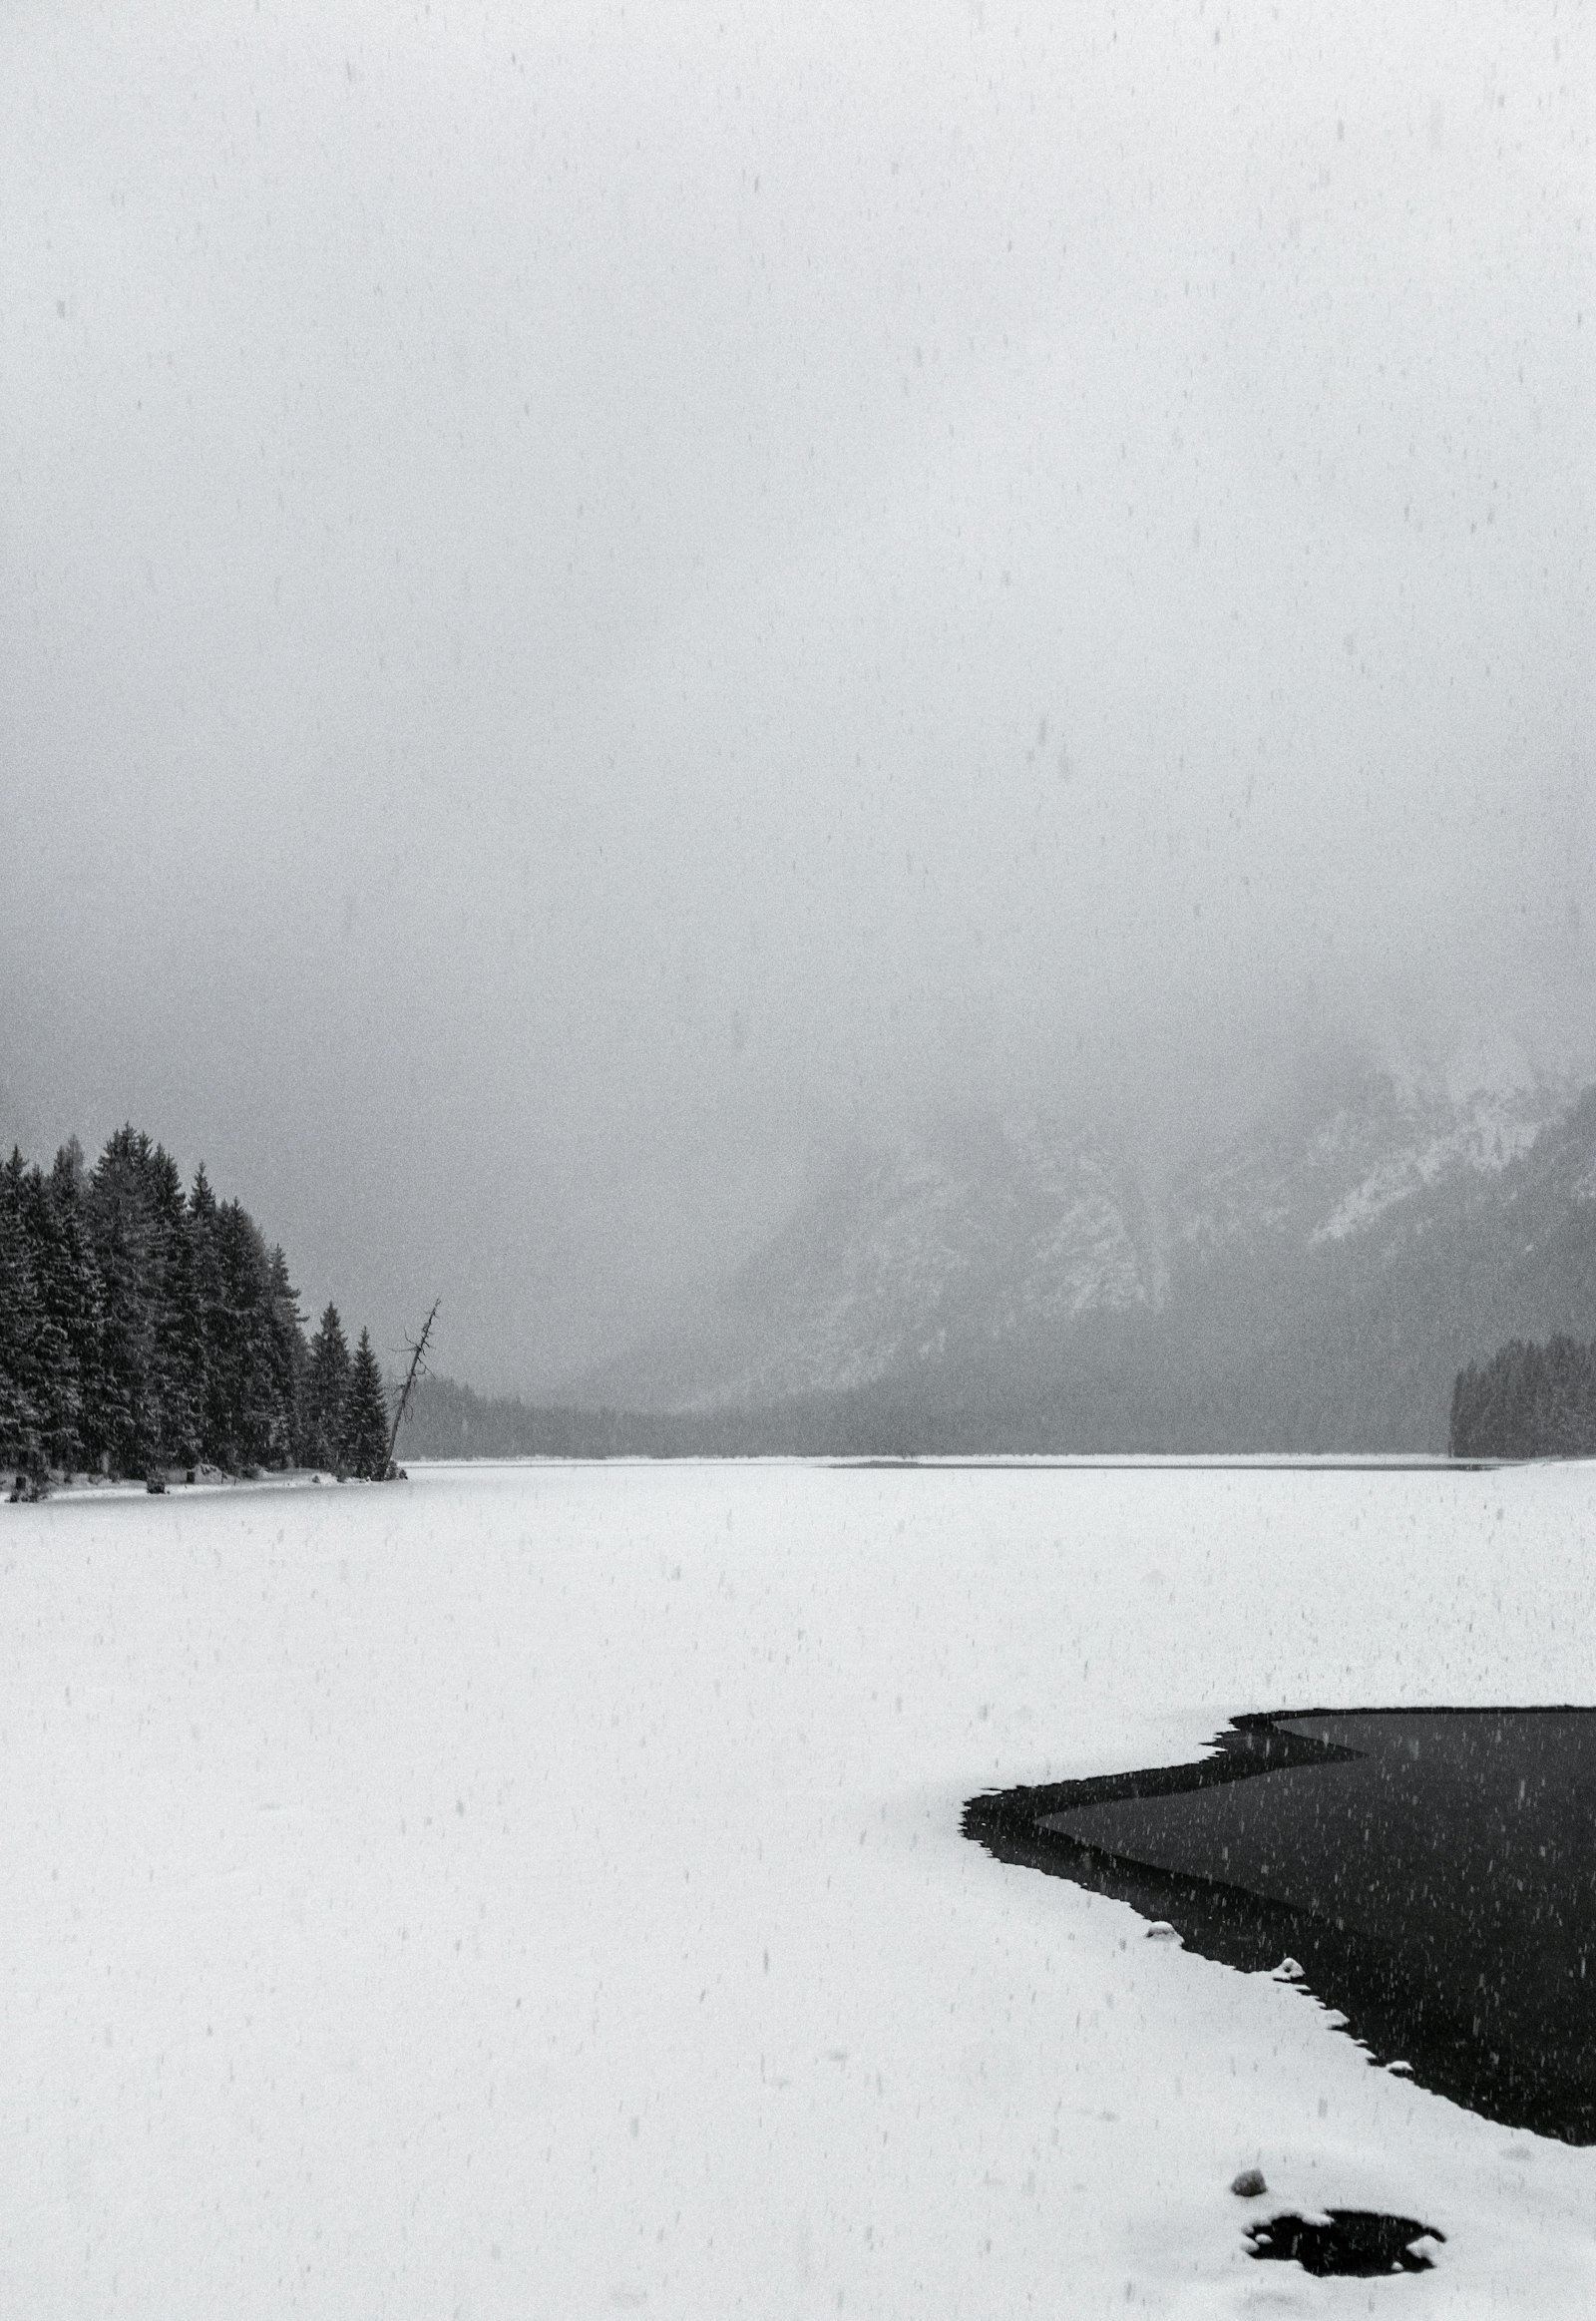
point(1519, 2045)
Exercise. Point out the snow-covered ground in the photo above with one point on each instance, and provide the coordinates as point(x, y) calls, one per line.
point(539, 1892)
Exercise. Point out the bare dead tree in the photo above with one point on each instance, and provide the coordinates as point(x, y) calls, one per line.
point(418, 1370)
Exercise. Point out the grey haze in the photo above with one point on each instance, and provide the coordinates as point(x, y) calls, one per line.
point(595, 600)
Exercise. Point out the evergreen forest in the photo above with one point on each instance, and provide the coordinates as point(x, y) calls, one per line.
point(1528, 1401)
point(147, 1330)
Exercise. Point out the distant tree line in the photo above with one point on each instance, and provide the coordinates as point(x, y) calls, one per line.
point(1528, 1401)
point(448, 1420)
point(144, 1329)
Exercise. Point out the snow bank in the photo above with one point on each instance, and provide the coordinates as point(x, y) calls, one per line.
point(538, 1891)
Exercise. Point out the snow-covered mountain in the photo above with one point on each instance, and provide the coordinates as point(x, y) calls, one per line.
point(1337, 1175)
point(1004, 1265)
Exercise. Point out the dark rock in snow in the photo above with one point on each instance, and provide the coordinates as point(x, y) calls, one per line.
point(1346, 2240)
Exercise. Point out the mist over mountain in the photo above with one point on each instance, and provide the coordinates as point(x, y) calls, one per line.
point(605, 606)
point(1015, 1280)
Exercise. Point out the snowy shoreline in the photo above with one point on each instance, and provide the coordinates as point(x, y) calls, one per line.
point(114, 1487)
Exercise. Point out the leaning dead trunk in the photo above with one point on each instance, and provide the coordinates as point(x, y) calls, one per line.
point(417, 1369)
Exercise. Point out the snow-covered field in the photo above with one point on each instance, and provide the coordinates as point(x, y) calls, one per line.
point(539, 1892)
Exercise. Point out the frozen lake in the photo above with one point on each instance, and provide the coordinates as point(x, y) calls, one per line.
point(540, 1891)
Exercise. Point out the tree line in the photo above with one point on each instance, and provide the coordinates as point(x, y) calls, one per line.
point(146, 1329)
point(1528, 1401)
point(448, 1420)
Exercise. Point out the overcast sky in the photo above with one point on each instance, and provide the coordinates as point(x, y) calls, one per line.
point(593, 597)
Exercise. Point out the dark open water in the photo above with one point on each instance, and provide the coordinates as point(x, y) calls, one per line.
point(1432, 1871)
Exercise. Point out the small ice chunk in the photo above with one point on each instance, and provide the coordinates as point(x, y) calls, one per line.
point(1161, 1931)
point(1289, 1970)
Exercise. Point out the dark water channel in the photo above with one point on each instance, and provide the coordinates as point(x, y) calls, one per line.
point(1432, 1871)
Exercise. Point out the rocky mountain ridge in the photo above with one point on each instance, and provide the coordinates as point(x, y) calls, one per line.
point(1016, 1277)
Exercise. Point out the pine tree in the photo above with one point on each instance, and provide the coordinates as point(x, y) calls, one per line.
point(56, 1387)
point(122, 1235)
point(249, 1419)
point(209, 1312)
point(21, 1448)
point(71, 1289)
point(326, 1386)
point(290, 1357)
point(177, 1363)
point(365, 1439)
